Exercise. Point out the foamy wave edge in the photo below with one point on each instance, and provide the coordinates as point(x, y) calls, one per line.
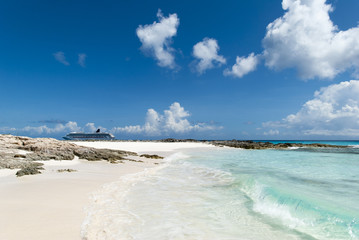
point(262, 205)
point(102, 205)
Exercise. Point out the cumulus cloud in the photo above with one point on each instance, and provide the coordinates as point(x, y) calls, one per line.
point(243, 66)
point(82, 59)
point(7, 130)
point(306, 39)
point(69, 126)
point(333, 111)
point(90, 127)
point(156, 38)
point(44, 129)
point(271, 132)
point(60, 57)
point(172, 121)
point(207, 54)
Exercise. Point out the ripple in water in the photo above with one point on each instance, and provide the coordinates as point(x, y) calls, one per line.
point(232, 194)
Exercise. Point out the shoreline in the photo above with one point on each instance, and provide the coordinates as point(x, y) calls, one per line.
point(245, 144)
point(51, 205)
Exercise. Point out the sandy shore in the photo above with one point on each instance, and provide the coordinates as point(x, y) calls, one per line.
point(50, 205)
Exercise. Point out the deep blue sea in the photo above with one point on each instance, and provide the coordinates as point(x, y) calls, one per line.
point(228, 194)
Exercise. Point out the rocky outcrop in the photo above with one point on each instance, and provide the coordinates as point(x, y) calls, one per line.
point(93, 154)
point(251, 144)
point(266, 145)
point(22, 152)
point(178, 140)
point(154, 156)
point(32, 169)
point(66, 170)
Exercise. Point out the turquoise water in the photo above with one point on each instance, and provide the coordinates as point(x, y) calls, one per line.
point(332, 142)
point(234, 194)
point(314, 193)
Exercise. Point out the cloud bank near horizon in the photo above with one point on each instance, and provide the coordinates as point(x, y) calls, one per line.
point(333, 111)
point(173, 121)
point(44, 129)
point(156, 39)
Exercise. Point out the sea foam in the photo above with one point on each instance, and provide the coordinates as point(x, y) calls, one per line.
point(232, 194)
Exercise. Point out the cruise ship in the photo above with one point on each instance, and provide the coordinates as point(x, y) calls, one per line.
point(89, 136)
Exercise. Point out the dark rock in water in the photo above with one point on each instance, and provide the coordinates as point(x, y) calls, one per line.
point(178, 140)
point(67, 170)
point(169, 140)
point(30, 170)
point(266, 145)
point(151, 156)
point(249, 144)
point(23, 152)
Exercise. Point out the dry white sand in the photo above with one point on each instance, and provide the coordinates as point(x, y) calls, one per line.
point(49, 206)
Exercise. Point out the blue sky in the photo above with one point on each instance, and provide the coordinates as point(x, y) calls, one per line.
point(132, 68)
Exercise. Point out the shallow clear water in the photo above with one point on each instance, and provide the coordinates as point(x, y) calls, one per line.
point(234, 194)
point(330, 142)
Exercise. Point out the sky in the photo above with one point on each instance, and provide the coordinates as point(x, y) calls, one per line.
point(279, 69)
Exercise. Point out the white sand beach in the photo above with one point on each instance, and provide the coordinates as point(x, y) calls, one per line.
point(51, 205)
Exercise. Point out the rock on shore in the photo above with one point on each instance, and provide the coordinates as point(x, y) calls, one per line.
point(22, 152)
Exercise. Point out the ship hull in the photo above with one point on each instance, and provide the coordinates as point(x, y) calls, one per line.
point(89, 136)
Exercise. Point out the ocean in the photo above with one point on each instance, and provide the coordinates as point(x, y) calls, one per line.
point(228, 194)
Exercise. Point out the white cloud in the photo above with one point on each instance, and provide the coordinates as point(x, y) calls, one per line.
point(128, 129)
point(60, 57)
point(305, 38)
point(176, 119)
point(334, 111)
point(7, 129)
point(348, 132)
point(58, 128)
point(90, 127)
point(207, 53)
point(173, 121)
point(153, 122)
point(69, 126)
point(156, 38)
point(243, 66)
point(271, 132)
point(82, 59)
